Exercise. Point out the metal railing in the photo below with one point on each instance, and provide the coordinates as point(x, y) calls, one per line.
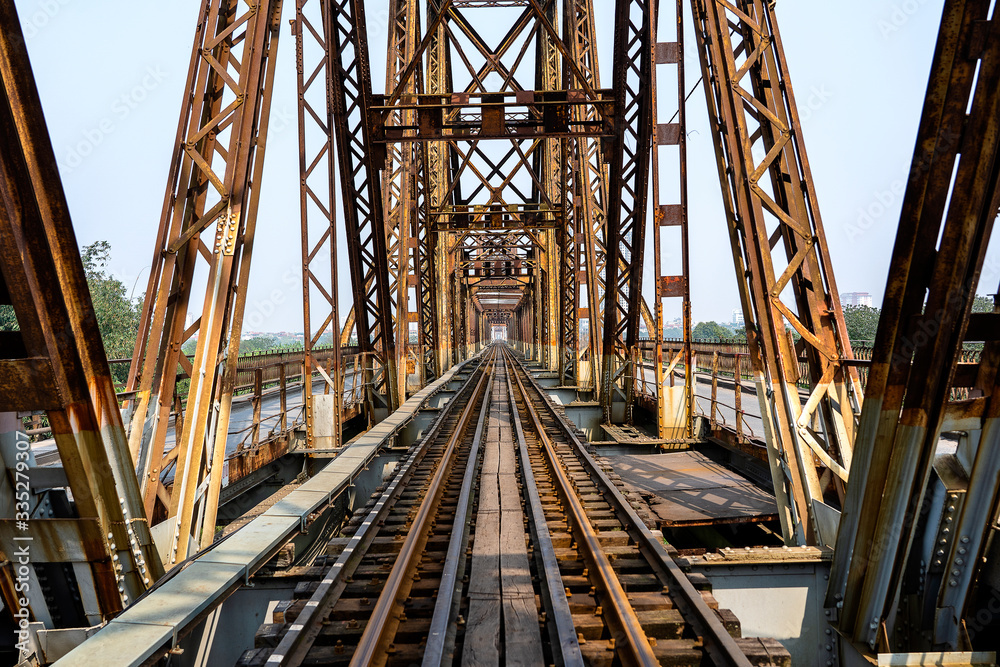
point(729, 360)
point(259, 374)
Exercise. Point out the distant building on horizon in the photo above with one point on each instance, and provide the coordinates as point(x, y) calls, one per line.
point(856, 299)
point(738, 318)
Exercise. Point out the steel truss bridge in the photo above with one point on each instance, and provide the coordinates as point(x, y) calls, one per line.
point(497, 187)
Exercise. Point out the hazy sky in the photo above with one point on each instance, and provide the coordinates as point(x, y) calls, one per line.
point(111, 74)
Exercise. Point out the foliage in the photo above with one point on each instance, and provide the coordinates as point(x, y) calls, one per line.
point(982, 304)
point(117, 314)
point(862, 322)
point(740, 332)
point(710, 331)
point(258, 344)
point(8, 320)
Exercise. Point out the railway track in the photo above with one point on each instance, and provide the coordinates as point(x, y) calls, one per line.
point(501, 540)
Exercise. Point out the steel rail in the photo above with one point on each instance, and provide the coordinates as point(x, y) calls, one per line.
point(373, 639)
point(565, 639)
point(718, 643)
point(621, 611)
point(446, 605)
point(302, 634)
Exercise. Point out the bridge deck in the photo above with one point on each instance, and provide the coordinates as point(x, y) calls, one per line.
point(153, 624)
point(689, 489)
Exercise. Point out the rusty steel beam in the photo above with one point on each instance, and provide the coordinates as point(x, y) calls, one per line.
point(317, 208)
point(438, 182)
point(949, 210)
point(549, 191)
point(56, 362)
point(399, 186)
point(359, 166)
point(673, 215)
point(426, 286)
point(567, 239)
point(771, 202)
point(214, 186)
point(592, 176)
point(412, 119)
point(630, 154)
point(440, 117)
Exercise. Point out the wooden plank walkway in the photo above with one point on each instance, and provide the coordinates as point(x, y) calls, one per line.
point(503, 618)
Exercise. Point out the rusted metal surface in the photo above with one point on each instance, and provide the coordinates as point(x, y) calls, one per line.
point(771, 202)
point(400, 189)
point(718, 643)
point(59, 355)
point(626, 213)
point(317, 206)
point(359, 164)
point(496, 183)
point(214, 185)
point(626, 622)
point(147, 631)
point(668, 216)
point(375, 640)
point(590, 177)
point(448, 172)
point(948, 213)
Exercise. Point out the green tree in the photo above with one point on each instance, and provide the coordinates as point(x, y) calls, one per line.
point(710, 330)
point(982, 304)
point(8, 320)
point(862, 322)
point(117, 314)
point(258, 344)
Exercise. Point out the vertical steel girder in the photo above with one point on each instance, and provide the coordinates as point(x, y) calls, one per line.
point(214, 182)
point(427, 287)
point(626, 214)
point(567, 237)
point(56, 360)
point(569, 270)
point(948, 213)
point(672, 215)
point(436, 182)
point(548, 77)
point(317, 207)
point(399, 185)
point(771, 200)
point(591, 179)
point(360, 162)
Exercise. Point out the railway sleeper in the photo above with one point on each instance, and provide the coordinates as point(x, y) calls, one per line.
point(656, 612)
